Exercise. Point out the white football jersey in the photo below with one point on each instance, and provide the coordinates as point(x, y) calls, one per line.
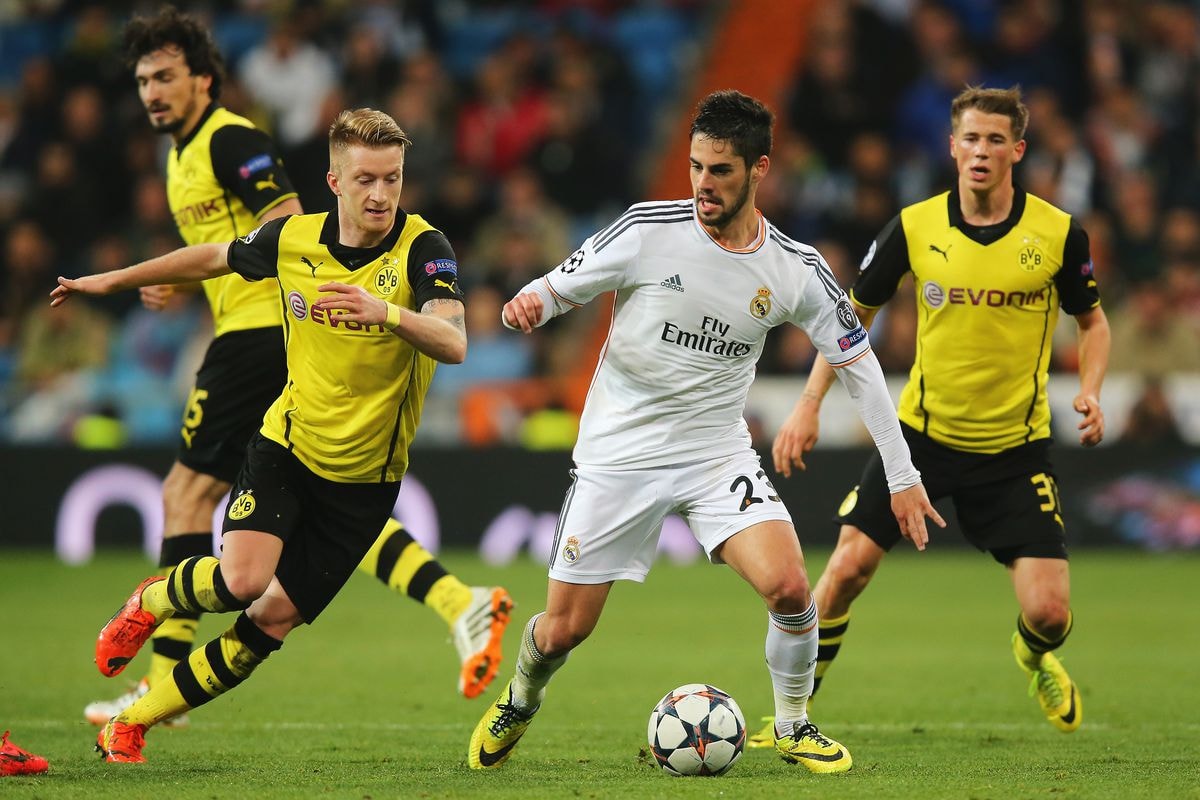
point(688, 327)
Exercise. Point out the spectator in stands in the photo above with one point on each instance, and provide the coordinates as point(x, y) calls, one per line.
point(1149, 337)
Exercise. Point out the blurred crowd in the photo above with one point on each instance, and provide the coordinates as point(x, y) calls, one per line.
point(536, 122)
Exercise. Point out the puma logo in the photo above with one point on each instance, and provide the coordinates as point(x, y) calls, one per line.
point(311, 265)
point(269, 183)
point(452, 285)
point(943, 253)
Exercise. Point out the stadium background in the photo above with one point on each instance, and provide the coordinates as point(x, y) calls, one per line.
point(535, 123)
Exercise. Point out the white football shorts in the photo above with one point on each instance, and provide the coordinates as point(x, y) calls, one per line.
point(610, 521)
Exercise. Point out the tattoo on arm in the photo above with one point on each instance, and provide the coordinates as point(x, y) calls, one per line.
point(458, 320)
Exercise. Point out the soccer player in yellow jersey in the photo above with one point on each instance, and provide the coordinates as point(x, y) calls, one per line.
point(991, 265)
point(365, 322)
point(224, 178)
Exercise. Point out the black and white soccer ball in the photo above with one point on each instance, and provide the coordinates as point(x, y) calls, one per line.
point(696, 730)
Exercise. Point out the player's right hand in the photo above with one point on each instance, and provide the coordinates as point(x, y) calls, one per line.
point(155, 298)
point(797, 436)
point(88, 284)
point(523, 311)
point(911, 506)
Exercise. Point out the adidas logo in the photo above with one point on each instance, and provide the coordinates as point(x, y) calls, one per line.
point(673, 282)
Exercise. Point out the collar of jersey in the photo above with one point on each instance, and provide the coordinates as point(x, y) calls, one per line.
point(345, 254)
point(754, 247)
point(986, 234)
point(208, 112)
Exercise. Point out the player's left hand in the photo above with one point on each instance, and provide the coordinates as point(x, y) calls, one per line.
point(1092, 427)
point(358, 304)
point(911, 506)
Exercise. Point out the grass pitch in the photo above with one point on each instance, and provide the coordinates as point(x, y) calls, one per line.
point(925, 692)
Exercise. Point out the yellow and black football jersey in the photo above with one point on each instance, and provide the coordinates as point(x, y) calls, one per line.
point(354, 392)
point(220, 179)
point(987, 304)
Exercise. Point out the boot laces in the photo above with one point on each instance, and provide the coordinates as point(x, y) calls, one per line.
point(808, 729)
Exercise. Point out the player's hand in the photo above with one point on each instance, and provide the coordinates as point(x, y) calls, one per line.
point(1092, 427)
point(156, 298)
point(523, 311)
point(911, 506)
point(797, 436)
point(357, 303)
point(89, 284)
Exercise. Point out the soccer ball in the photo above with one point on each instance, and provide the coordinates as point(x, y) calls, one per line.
point(696, 730)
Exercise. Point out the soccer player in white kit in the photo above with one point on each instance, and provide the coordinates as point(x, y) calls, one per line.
point(698, 284)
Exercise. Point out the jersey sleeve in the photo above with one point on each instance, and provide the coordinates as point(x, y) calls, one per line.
point(883, 267)
point(245, 163)
point(824, 313)
point(256, 255)
point(1076, 281)
point(433, 269)
point(600, 265)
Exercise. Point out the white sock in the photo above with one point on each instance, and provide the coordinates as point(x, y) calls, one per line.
point(533, 671)
point(792, 661)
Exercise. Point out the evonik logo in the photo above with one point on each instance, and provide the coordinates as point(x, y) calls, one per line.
point(935, 296)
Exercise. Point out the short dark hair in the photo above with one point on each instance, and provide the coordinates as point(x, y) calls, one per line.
point(730, 116)
point(171, 28)
point(992, 101)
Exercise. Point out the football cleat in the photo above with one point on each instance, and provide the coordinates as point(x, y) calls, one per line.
point(15, 761)
point(101, 711)
point(123, 636)
point(806, 745)
point(478, 636)
point(1056, 692)
point(498, 732)
point(765, 736)
point(119, 743)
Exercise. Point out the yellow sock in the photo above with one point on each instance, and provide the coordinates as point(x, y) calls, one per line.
point(404, 566)
point(208, 672)
point(829, 642)
point(449, 597)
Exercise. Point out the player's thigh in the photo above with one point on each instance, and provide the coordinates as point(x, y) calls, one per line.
point(721, 498)
point(1012, 518)
point(338, 524)
point(767, 555)
point(242, 373)
point(609, 525)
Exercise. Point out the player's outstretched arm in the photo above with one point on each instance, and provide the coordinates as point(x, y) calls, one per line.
point(439, 330)
point(186, 265)
point(1095, 339)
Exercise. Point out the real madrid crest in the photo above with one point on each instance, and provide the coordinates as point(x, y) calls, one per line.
point(760, 306)
point(570, 551)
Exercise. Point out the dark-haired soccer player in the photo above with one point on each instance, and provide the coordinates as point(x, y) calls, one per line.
point(992, 265)
point(699, 283)
point(365, 325)
point(224, 178)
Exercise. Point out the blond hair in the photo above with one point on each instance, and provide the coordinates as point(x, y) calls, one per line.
point(365, 127)
point(992, 101)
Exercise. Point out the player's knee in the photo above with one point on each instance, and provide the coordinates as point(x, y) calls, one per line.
point(246, 585)
point(186, 489)
point(846, 574)
point(1049, 617)
point(787, 593)
point(559, 635)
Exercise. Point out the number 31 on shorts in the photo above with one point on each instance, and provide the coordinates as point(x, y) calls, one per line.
point(743, 487)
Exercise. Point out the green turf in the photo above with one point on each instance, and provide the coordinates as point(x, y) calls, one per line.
point(925, 693)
